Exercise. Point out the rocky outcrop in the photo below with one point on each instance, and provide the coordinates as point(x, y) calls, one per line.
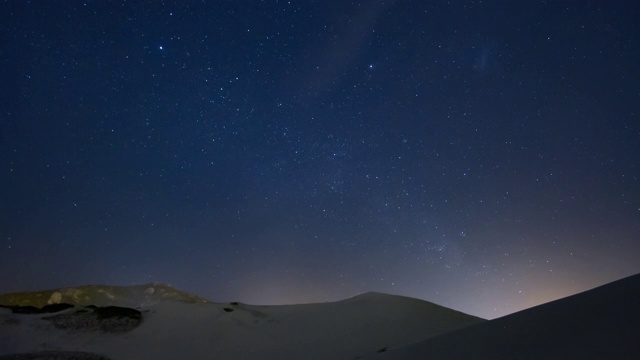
point(108, 319)
point(102, 295)
point(47, 309)
point(54, 355)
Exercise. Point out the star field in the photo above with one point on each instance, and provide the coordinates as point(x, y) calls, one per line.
point(480, 155)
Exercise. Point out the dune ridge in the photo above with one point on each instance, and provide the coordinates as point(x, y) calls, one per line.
point(175, 325)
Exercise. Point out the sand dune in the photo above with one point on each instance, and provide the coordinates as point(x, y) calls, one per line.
point(173, 328)
point(601, 323)
point(164, 323)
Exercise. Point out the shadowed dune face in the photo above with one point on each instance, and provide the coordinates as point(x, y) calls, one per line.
point(601, 323)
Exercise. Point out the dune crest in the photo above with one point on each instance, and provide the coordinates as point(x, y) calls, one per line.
point(170, 324)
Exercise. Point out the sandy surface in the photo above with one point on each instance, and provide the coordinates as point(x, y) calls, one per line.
point(598, 324)
point(174, 330)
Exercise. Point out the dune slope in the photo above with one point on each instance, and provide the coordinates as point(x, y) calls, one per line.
point(601, 323)
point(172, 328)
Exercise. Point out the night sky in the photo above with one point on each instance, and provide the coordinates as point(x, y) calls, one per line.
point(484, 156)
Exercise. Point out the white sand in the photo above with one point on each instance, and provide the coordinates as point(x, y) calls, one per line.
point(174, 330)
point(597, 324)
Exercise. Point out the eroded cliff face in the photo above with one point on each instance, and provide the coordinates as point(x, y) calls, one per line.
point(55, 355)
point(101, 295)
